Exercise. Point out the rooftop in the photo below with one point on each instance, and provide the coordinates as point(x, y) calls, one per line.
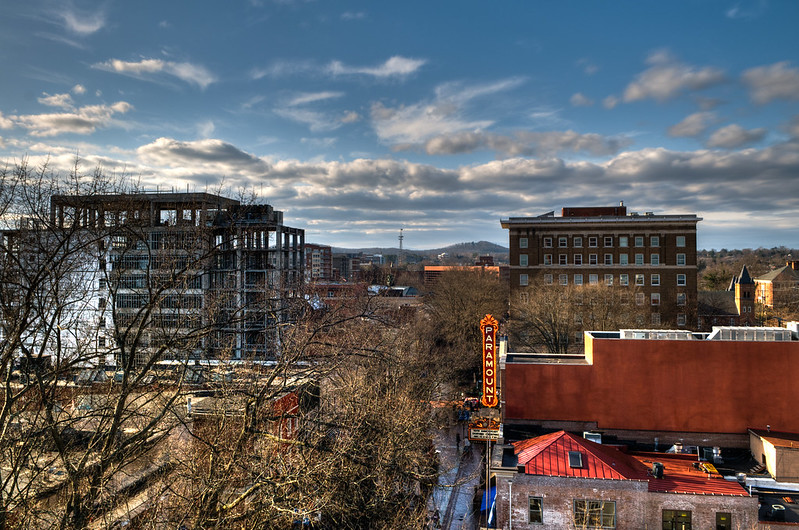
point(556, 454)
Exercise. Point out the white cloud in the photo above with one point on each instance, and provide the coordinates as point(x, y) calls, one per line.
point(666, 78)
point(580, 100)
point(776, 81)
point(353, 15)
point(733, 136)
point(610, 102)
point(526, 143)
point(693, 125)
point(82, 23)
point(78, 89)
point(587, 66)
point(84, 120)
point(313, 97)
point(188, 72)
point(5, 123)
point(315, 120)
point(205, 129)
point(445, 114)
point(396, 66)
point(63, 101)
point(350, 117)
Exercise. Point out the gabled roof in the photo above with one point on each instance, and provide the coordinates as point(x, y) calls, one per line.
point(717, 303)
point(549, 455)
point(788, 272)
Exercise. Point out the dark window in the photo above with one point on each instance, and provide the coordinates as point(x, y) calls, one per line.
point(575, 459)
point(723, 521)
point(594, 514)
point(536, 510)
point(676, 520)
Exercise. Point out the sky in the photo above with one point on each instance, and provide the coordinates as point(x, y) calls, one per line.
point(361, 118)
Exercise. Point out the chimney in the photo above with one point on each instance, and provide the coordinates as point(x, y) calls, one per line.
point(793, 264)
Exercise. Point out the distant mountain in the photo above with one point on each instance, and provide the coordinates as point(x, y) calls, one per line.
point(479, 247)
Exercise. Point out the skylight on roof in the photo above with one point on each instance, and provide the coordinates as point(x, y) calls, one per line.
point(575, 459)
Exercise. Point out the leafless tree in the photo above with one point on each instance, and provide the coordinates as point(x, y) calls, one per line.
point(553, 317)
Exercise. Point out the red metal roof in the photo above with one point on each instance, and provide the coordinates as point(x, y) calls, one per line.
point(549, 455)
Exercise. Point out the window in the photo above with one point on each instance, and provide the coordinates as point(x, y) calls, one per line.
point(593, 279)
point(655, 279)
point(564, 279)
point(608, 241)
point(680, 241)
point(592, 259)
point(678, 519)
point(563, 242)
point(681, 280)
point(639, 241)
point(608, 259)
point(623, 241)
point(655, 319)
point(655, 298)
point(723, 521)
point(639, 259)
point(624, 279)
point(523, 260)
point(578, 242)
point(680, 298)
point(101, 342)
point(592, 242)
point(536, 511)
point(578, 337)
point(680, 259)
point(654, 259)
point(523, 279)
point(101, 284)
point(608, 279)
point(654, 241)
point(548, 279)
point(578, 279)
point(578, 259)
point(575, 459)
point(623, 259)
point(101, 303)
point(594, 514)
point(547, 242)
point(522, 242)
point(547, 259)
point(563, 259)
point(639, 279)
point(640, 298)
point(680, 319)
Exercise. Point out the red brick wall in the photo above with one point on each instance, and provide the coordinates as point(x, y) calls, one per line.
point(693, 386)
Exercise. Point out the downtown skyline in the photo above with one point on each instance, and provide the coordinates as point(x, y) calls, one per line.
point(358, 119)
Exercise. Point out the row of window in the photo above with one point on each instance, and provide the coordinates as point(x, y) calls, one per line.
point(593, 279)
point(593, 259)
point(593, 241)
point(602, 514)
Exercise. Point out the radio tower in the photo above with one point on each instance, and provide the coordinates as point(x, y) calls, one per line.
point(399, 258)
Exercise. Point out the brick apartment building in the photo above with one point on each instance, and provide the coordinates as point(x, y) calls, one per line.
point(653, 255)
point(318, 262)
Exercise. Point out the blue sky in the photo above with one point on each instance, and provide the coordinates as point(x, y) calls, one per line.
point(360, 118)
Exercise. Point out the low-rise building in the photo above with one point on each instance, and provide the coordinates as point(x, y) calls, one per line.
point(659, 385)
point(560, 480)
point(779, 287)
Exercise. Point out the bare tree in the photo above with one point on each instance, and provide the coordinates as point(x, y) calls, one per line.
point(553, 317)
point(455, 304)
point(297, 411)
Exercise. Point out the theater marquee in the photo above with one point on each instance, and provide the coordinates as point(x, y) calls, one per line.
point(489, 328)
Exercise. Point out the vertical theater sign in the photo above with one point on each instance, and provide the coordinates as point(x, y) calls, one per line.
point(488, 327)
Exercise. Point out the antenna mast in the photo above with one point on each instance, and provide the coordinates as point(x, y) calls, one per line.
point(399, 258)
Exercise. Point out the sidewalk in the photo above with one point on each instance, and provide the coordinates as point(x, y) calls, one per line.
point(459, 476)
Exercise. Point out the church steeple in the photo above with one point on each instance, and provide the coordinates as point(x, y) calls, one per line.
point(745, 295)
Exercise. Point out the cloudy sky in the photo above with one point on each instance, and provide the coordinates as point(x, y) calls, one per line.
point(358, 118)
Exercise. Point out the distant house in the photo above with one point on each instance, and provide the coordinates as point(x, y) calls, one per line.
point(779, 286)
point(732, 307)
point(560, 480)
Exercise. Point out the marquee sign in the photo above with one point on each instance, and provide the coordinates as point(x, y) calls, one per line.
point(488, 326)
point(485, 429)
